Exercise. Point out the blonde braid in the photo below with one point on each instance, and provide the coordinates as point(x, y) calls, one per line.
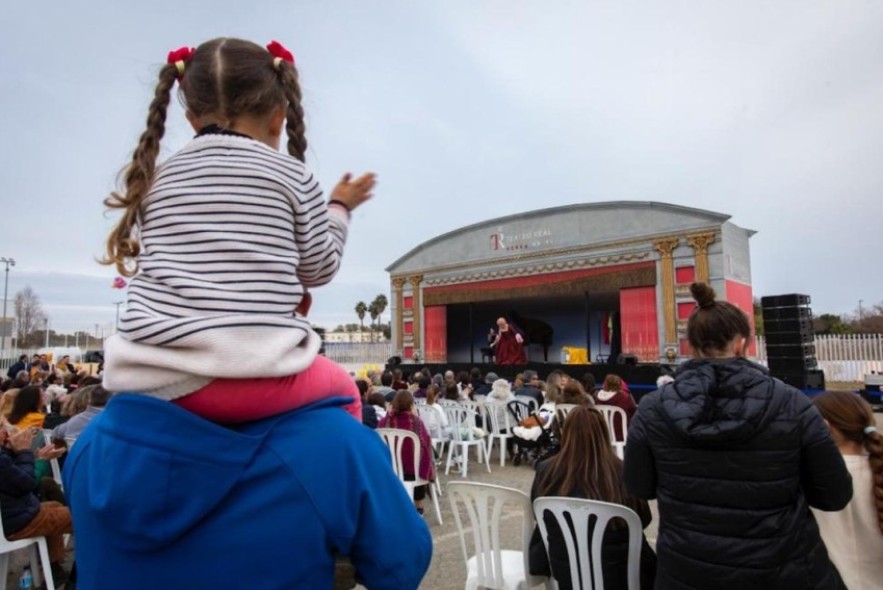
point(295, 126)
point(123, 247)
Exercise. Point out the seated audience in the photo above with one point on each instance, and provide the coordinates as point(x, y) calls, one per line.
point(589, 385)
point(403, 415)
point(97, 398)
point(378, 401)
point(854, 535)
point(385, 388)
point(586, 467)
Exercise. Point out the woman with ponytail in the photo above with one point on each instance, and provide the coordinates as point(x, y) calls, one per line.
point(735, 459)
point(854, 535)
point(202, 453)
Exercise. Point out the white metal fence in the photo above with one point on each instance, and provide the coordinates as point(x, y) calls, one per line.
point(847, 357)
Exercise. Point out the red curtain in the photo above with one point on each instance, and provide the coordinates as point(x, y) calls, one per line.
point(638, 321)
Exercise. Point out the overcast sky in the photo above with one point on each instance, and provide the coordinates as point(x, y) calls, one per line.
point(771, 112)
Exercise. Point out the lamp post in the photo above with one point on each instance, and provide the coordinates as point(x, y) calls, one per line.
point(8, 262)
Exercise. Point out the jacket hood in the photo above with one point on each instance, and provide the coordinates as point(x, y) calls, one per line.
point(719, 400)
point(605, 396)
point(177, 467)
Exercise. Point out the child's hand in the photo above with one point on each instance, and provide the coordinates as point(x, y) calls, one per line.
point(353, 193)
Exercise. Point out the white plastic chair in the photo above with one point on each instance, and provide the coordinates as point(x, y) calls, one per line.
point(394, 439)
point(616, 415)
point(34, 545)
point(573, 516)
point(531, 402)
point(499, 427)
point(562, 410)
point(434, 426)
point(462, 422)
point(491, 566)
point(53, 463)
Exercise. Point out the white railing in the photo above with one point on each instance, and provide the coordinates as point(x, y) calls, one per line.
point(358, 353)
point(847, 357)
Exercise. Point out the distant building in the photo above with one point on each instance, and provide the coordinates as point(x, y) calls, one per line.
point(344, 337)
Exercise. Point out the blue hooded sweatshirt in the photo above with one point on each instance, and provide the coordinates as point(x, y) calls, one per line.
point(164, 499)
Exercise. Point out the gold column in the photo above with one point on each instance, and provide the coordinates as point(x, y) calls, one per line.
point(397, 284)
point(700, 244)
point(665, 247)
point(415, 287)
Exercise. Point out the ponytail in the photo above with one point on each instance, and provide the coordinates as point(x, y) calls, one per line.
point(123, 247)
point(854, 419)
point(295, 127)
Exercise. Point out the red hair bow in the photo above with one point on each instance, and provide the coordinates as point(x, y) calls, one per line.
point(180, 57)
point(276, 49)
point(183, 54)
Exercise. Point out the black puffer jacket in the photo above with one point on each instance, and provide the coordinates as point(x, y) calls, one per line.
point(734, 457)
point(18, 501)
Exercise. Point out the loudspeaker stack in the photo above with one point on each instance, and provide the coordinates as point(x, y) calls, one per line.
point(791, 355)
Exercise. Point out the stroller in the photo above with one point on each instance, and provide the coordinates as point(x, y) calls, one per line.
point(532, 449)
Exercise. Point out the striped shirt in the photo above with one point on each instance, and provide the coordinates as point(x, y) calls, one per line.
point(232, 232)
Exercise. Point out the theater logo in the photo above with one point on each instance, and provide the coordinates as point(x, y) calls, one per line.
point(521, 241)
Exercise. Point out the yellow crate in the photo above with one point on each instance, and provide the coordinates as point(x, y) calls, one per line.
point(573, 355)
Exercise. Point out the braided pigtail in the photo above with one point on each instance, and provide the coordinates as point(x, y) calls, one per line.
point(294, 127)
point(874, 446)
point(123, 247)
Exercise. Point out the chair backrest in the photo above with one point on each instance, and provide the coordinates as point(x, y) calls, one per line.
point(531, 402)
point(462, 423)
point(395, 439)
point(561, 412)
point(578, 519)
point(617, 423)
point(448, 403)
point(431, 420)
point(498, 416)
point(519, 409)
point(485, 504)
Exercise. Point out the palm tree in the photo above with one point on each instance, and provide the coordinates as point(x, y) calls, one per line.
point(373, 310)
point(361, 309)
point(381, 302)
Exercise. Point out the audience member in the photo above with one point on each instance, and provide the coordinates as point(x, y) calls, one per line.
point(464, 385)
point(485, 388)
point(97, 398)
point(438, 425)
point(378, 400)
point(369, 413)
point(573, 393)
point(734, 458)
point(23, 514)
point(385, 388)
point(423, 383)
point(27, 408)
point(854, 535)
point(17, 367)
point(587, 467)
point(403, 415)
point(530, 387)
point(613, 393)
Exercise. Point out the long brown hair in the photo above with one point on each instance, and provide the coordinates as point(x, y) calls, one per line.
point(586, 462)
point(223, 80)
point(851, 416)
point(27, 401)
